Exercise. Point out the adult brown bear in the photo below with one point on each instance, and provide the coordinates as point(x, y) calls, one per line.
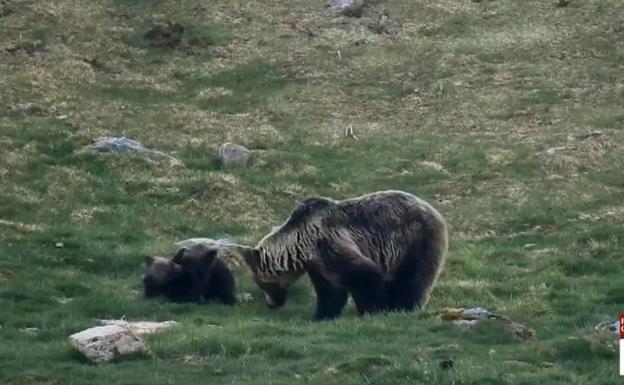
point(386, 249)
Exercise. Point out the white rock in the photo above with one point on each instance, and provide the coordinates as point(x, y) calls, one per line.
point(245, 297)
point(104, 343)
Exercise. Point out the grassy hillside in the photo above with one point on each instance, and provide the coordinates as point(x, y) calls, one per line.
point(485, 110)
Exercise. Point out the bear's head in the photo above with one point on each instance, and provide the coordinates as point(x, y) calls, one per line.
point(275, 287)
point(159, 273)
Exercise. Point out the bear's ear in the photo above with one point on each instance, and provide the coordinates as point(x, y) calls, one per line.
point(209, 257)
point(148, 260)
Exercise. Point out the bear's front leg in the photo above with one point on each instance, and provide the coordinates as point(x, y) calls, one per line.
point(330, 299)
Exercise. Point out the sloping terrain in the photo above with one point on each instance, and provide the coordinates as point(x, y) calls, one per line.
point(506, 115)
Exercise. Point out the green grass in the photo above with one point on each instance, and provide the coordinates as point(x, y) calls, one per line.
point(460, 108)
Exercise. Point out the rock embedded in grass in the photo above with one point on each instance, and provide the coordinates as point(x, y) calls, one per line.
point(233, 155)
point(352, 8)
point(105, 343)
point(609, 326)
point(125, 145)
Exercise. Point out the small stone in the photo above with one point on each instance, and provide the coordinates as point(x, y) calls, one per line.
point(590, 135)
point(245, 297)
point(546, 364)
point(610, 326)
point(383, 25)
point(233, 155)
point(30, 331)
point(521, 331)
point(63, 300)
point(553, 150)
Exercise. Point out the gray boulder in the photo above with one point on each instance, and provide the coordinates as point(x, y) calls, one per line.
point(233, 155)
point(353, 8)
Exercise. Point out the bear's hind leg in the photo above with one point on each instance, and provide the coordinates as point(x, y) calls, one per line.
point(366, 284)
point(405, 295)
point(330, 300)
point(411, 286)
point(367, 288)
point(361, 276)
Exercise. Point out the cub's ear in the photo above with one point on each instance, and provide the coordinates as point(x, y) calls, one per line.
point(209, 257)
point(148, 260)
point(178, 257)
point(250, 255)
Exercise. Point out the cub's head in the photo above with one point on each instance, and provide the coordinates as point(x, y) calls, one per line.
point(275, 287)
point(197, 258)
point(159, 273)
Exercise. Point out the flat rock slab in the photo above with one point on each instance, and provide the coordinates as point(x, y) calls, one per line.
point(105, 343)
point(141, 327)
point(125, 145)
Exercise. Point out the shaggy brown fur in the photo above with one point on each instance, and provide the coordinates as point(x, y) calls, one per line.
point(386, 249)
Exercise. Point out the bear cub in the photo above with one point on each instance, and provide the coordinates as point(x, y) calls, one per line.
point(192, 275)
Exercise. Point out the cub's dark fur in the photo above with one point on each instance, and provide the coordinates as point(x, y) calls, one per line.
point(386, 249)
point(210, 276)
point(193, 275)
point(165, 278)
